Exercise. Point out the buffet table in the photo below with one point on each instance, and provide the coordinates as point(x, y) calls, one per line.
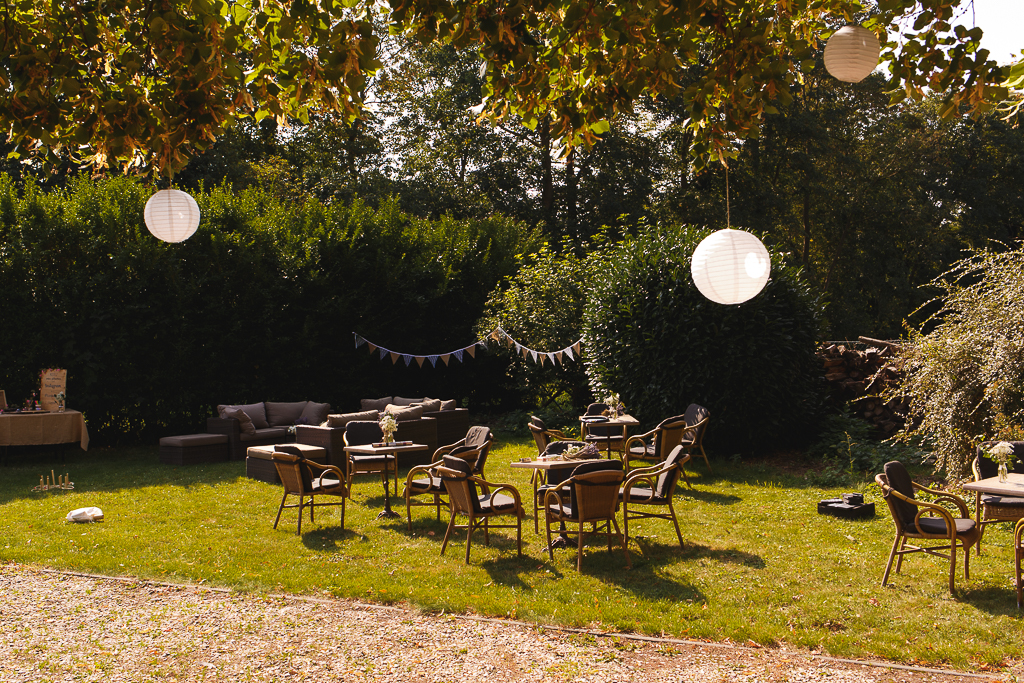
point(41, 429)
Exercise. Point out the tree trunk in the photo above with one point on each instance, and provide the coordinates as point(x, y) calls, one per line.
point(547, 184)
point(571, 217)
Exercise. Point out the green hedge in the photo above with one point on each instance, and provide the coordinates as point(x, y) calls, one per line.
point(652, 337)
point(259, 304)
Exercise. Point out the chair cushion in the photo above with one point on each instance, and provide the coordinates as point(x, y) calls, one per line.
point(313, 413)
point(587, 468)
point(666, 483)
point(244, 421)
point(339, 421)
point(477, 436)
point(404, 413)
point(429, 485)
point(1006, 501)
point(642, 495)
point(694, 414)
point(360, 433)
point(899, 480)
point(371, 459)
point(255, 411)
point(377, 404)
point(284, 414)
point(937, 525)
point(448, 405)
point(325, 483)
point(497, 503)
point(559, 447)
point(399, 401)
point(266, 433)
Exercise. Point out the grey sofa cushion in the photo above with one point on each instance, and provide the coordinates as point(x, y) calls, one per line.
point(284, 414)
point(448, 405)
point(430, 405)
point(377, 404)
point(244, 421)
point(313, 413)
point(255, 411)
point(399, 401)
point(342, 420)
point(266, 433)
point(405, 413)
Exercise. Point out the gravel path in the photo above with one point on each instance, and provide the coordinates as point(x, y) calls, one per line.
point(62, 627)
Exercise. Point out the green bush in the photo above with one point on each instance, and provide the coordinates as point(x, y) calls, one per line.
point(849, 452)
point(652, 336)
point(259, 304)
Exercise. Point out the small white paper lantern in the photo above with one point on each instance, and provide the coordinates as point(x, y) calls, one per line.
point(172, 215)
point(851, 54)
point(730, 266)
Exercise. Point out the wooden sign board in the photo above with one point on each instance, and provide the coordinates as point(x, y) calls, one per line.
point(52, 381)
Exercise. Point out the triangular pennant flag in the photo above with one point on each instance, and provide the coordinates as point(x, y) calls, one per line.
point(541, 358)
point(558, 356)
point(472, 350)
point(433, 360)
point(576, 348)
point(420, 359)
point(519, 347)
point(458, 355)
point(372, 347)
point(383, 353)
point(359, 341)
point(534, 354)
point(394, 357)
point(551, 357)
point(568, 352)
point(407, 358)
point(445, 357)
point(526, 353)
point(496, 334)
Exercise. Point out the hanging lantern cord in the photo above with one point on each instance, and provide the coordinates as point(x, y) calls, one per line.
point(728, 222)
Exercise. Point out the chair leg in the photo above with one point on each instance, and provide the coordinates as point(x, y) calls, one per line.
point(705, 455)
point(625, 548)
point(547, 527)
point(448, 533)
point(278, 518)
point(302, 501)
point(625, 518)
point(312, 507)
point(967, 563)
point(952, 565)
point(675, 521)
point(579, 549)
point(519, 534)
point(469, 535)
point(682, 470)
point(899, 557)
point(892, 555)
point(343, 513)
point(487, 531)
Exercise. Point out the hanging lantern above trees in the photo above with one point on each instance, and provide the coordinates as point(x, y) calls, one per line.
point(172, 215)
point(851, 54)
point(730, 266)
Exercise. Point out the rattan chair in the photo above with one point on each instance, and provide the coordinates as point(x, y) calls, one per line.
point(659, 484)
point(298, 476)
point(361, 433)
point(593, 499)
point(1018, 560)
point(544, 436)
point(465, 498)
point(919, 519)
point(990, 507)
point(654, 446)
point(545, 480)
point(606, 437)
point(696, 424)
point(422, 480)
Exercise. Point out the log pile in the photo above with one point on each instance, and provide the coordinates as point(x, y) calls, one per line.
point(858, 377)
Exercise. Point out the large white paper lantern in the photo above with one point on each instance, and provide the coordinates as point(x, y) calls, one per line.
point(172, 215)
point(851, 54)
point(730, 266)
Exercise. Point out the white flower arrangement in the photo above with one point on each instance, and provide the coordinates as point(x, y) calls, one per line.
point(388, 425)
point(582, 452)
point(1002, 453)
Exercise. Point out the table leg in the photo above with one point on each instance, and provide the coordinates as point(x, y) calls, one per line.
point(387, 512)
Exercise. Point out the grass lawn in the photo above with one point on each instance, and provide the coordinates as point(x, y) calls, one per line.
point(759, 564)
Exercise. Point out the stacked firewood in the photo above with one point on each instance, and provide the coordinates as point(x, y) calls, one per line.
point(858, 377)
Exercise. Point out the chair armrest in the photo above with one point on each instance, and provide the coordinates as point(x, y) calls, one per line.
point(445, 450)
point(497, 488)
point(327, 468)
point(419, 469)
point(945, 496)
point(696, 426)
point(647, 474)
point(556, 493)
point(223, 425)
point(924, 507)
point(559, 435)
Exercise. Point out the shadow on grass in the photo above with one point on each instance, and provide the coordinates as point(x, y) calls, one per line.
point(994, 600)
point(328, 539)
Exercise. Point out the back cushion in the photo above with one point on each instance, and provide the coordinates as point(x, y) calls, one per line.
point(405, 413)
point(666, 480)
point(284, 414)
point(448, 405)
point(244, 422)
point(377, 404)
point(399, 401)
point(361, 433)
point(340, 421)
point(255, 411)
point(477, 436)
point(900, 481)
point(313, 413)
point(431, 405)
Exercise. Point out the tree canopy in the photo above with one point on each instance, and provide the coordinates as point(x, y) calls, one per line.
point(147, 83)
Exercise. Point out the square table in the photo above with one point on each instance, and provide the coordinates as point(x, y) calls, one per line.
point(1013, 487)
point(389, 452)
point(624, 421)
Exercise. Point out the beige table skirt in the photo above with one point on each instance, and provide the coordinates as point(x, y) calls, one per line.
point(44, 429)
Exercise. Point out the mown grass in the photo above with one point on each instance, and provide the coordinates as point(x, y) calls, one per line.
point(759, 564)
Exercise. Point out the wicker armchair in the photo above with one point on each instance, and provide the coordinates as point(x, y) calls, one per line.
point(464, 498)
point(544, 436)
point(918, 519)
point(696, 424)
point(298, 477)
point(423, 480)
point(593, 497)
point(1018, 559)
point(605, 437)
point(655, 445)
point(989, 507)
point(659, 484)
point(361, 433)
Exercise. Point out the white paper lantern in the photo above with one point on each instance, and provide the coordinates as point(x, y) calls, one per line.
point(172, 215)
point(851, 54)
point(730, 266)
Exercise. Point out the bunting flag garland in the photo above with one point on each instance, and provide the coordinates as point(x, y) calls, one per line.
point(496, 335)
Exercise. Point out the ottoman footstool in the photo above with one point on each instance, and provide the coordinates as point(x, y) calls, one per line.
point(259, 463)
point(192, 449)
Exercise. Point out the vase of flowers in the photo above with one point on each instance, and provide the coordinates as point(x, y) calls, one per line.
point(389, 426)
point(615, 407)
point(59, 398)
point(1002, 453)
